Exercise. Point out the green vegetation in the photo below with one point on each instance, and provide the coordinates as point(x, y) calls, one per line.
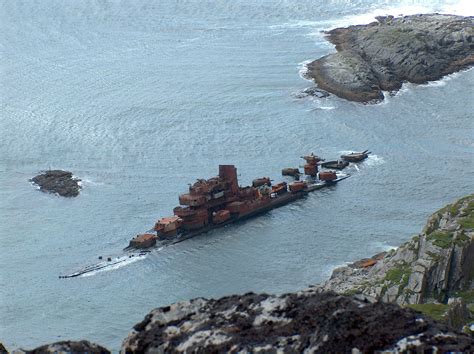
point(442, 239)
point(399, 275)
point(435, 311)
point(394, 275)
point(467, 296)
point(461, 239)
point(471, 309)
point(351, 292)
point(453, 209)
point(468, 221)
point(434, 256)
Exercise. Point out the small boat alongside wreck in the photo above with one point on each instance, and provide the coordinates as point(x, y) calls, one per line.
point(356, 156)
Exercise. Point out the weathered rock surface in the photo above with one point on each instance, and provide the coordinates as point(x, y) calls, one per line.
point(67, 347)
point(433, 272)
point(59, 182)
point(313, 92)
point(433, 266)
point(291, 323)
point(2, 349)
point(382, 55)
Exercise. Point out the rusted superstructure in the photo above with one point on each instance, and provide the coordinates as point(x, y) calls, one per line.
point(220, 200)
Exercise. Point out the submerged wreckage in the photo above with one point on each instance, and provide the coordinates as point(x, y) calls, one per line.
point(219, 201)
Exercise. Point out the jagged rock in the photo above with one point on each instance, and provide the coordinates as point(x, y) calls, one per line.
point(67, 347)
point(3, 350)
point(382, 55)
point(458, 314)
point(290, 323)
point(312, 91)
point(57, 181)
point(431, 267)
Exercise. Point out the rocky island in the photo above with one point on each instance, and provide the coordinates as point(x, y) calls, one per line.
point(57, 181)
point(417, 298)
point(381, 55)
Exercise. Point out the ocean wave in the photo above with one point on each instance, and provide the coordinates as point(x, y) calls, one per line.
point(320, 106)
point(461, 8)
point(374, 160)
point(303, 70)
point(88, 181)
point(329, 269)
point(379, 246)
point(296, 24)
point(408, 86)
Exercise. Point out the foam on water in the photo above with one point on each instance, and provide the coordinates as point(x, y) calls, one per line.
point(462, 8)
point(378, 246)
point(303, 70)
point(88, 181)
point(104, 89)
point(319, 105)
point(374, 160)
point(115, 266)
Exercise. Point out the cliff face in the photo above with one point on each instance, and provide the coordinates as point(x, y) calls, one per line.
point(433, 266)
point(382, 55)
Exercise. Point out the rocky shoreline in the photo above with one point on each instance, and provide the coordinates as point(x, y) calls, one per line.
point(60, 182)
point(417, 298)
point(434, 270)
point(381, 55)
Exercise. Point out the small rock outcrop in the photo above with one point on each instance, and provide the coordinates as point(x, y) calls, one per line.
point(291, 323)
point(67, 347)
point(57, 181)
point(381, 55)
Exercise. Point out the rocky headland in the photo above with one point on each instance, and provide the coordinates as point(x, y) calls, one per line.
point(57, 181)
point(381, 55)
point(415, 299)
point(433, 272)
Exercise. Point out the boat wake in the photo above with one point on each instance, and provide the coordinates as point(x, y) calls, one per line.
point(110, 263)
point(374, 160)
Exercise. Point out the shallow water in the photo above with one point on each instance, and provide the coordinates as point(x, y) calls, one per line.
point(139, 99)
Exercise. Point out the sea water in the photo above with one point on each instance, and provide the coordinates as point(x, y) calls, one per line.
point(140, 98)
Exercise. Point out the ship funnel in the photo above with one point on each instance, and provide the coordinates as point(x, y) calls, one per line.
point(229, 173)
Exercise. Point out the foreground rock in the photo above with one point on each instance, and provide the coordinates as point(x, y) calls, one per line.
point(384, 54)
point(291, 323)
point(59, 182)
point(436, 267)
point(2, 349)
point(67, 347)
